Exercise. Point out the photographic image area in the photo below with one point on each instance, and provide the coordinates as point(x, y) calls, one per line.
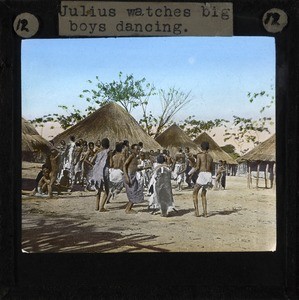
point(148, 145)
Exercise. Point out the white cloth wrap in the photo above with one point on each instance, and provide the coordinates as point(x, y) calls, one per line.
point(204, 178)
point(115, 175)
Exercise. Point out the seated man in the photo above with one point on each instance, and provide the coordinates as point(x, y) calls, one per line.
point(44, 182)
point(40, 174)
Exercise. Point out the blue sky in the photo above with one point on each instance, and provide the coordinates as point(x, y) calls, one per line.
point(218, 71)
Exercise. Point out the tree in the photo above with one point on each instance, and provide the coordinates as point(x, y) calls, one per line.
point(127, 92)
point(246, 131)
point(130, 93)
point(172, 101)
point(231, 150)
point(193, 127)
point(67, 119)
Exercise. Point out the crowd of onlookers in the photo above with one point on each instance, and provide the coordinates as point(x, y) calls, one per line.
point(82, 165)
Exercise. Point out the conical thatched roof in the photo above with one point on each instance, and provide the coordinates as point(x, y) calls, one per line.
point(31, 140)
point(265, 151)
point(216, 152)
point(173, 138)
point(110, 121)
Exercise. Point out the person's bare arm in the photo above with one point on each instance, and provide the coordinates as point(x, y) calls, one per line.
point(41, 182)
point(125, 169)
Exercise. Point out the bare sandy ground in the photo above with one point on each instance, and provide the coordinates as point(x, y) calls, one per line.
point(239, 219)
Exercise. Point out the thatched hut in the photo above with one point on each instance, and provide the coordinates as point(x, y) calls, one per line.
point(260, 163)
point(110, 121)
point(34, 146)
point(174, 138)
point(217, 153)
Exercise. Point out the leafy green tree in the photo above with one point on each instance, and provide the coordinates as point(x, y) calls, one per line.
point(128, 92)
point(246, 131)
point(194, 127)
point(231, 150)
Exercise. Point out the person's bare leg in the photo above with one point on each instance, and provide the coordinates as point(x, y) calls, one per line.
point(50, 193)
point(103, 202)
point(110, 195)
point(204, 202)
point(50, 187)
point(98, 197)
point(179, 185)
point(129, 209)
point(195, 199)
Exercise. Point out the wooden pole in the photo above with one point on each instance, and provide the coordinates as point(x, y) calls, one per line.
point(249, 177)
point(257, 175)
point(266, 176)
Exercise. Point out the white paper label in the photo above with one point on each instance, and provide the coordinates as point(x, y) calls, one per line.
point(94, 18)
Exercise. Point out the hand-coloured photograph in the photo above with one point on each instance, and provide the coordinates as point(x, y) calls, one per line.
point(156, 144)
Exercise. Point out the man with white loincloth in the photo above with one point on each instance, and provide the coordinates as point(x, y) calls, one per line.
point(133, 188)
point(204, 164)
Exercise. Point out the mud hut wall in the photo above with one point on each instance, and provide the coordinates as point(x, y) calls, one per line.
point(242, 169)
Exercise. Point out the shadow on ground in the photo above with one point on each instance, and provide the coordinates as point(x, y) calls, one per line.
point(61, 235)
point(224, 212)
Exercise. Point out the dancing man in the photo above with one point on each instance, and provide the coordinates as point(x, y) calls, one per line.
point(133, 188)
point(204, 163)
point(101, 174)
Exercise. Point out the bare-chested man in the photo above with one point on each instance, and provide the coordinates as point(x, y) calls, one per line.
point(133, 188)
point(101, 174)
point(126, 149)
point(44, 182)
point(54, 163)
point(204, 163)
point(116, 181)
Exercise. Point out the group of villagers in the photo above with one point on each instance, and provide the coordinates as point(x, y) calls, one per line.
point(95, 167)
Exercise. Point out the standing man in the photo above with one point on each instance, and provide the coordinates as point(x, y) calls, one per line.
point(126, 149)
point(101, 174)
point(54, 164)
point(70, 156)
point(179, 168)
point(204, 164)
point(116, 178)
point(133, 188)
point(219, 175)
point(223, 177)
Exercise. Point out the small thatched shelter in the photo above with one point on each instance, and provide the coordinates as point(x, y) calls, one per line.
point(173, 138)
point(260, 162)
point(34, 146)
point(217, 153)
point(110, 121)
